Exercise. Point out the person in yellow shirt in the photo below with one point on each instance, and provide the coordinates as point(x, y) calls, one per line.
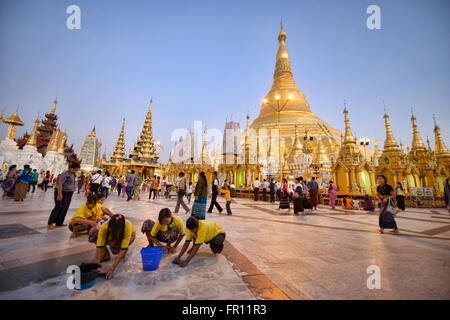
point(227, 193)
point(168, 228)
point(85, 217)
point(106, 213)
point(118, 233)
point(201, 231)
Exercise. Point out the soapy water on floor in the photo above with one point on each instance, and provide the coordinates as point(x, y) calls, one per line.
point(207, 276)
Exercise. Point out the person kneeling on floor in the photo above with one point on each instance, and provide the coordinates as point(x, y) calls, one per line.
point(167, 228)
point(201, 231)
point(118, 233)
point(106, 213)
point(85, 217)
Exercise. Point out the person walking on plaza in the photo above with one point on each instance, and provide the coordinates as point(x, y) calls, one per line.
point(136, 190)
point(190, 189)
point(113, 183)
point(200, 194)
point(284, 197)
point(152, 188)
point(96, 182)
point(131, 182)
point(33, 181)
point(215, 192)
point(313, 188)
point(256, 186)
point(63, 195)
point(181, 191)
point(332, 194)
point(22, 182)
point(447, 193)
point(227, 194)
point(106, 184)
point(9, 185)
point(265, 186)
point(298, 197)
point(278, 190)
point(400, 196)
point(120, 182)
point(163, 187)
point(272, 191)
point(385, 194)
point(81, 178)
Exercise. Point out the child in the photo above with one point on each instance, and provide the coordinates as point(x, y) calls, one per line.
point(102, 208)
point(85, 217)
point(201, 231)
point(227, 193)
point(168, 228)
point(189, 192)
point(118, 233)
point(369, 204)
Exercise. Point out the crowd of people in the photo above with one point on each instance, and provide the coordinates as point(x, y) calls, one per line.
point(107, 229)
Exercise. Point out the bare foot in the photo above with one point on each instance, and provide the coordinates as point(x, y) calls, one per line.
point(394, 231)
point(381, 231)
point(73, 235)
point(50, 227)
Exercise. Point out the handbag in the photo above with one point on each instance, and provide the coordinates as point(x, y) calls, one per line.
point(390, 207)
point(296, 195)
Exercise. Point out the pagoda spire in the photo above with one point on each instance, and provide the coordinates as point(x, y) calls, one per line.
point(321, 155)
point(61, 142)
point(348, 137)
point(417, 143)
point(390, 144)
point(144, 148)
point(119, 149)
point(296, 147)
point(53, 143)
point(32, 140)
point(54, 106)
point(376, 151)
point(440, 147)
point(92, 134)
point(307, 148)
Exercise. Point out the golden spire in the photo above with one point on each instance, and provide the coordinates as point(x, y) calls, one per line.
point(389, 143)
point(307, 148)
point(348, 137)
point(401, 147)
point(61, 142)
point(296, 148)
point(284, 86)
point(144, 148)
point(32, 140)
point(53, 143)
point(13, 122)
point(376, 151)
point(321, 155)
point(92, 134)
point(205, 155)
point(417, 143)
point(119, 149)
point(440, 148)
point(54, 106)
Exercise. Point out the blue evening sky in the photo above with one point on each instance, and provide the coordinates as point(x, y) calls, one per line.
point(206, 60)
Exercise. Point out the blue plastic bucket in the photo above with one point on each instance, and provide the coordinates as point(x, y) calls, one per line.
point(151, 258)
point(87, 285)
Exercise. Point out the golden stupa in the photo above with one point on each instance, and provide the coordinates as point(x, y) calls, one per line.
point(286, 101)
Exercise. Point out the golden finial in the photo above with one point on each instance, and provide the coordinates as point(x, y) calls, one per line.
point(54, 106)
point(417, 143)
point(32, 140)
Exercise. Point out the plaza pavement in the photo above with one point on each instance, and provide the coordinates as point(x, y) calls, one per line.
point(267, 255)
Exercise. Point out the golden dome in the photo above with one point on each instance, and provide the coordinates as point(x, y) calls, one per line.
point(14, 119)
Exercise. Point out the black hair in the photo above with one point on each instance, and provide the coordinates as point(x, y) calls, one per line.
point(27, 166)
point(401, 185)
point(34, 170)
point(164, 213)
point(116, 226)
point(203, 176)
point(383, 176)
point(132, 171)
point(101, 196)
point(74, 165)
point(12, 167)
point(215, 173)
point(108, 174)
point(192, 223)
point(92, 198)
point(99, 171)
point(313, 178)
point(181, 174)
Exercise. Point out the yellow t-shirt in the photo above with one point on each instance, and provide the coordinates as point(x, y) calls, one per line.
point(129, 231)
point(176, 222)
point(207, 230)
point(84, 212)
point(99, 211)
point(227, 194)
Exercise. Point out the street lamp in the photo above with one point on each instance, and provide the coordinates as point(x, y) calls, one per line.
point(364, 141)
point(278, 109)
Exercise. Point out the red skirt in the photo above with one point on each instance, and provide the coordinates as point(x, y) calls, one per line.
point(313, 197)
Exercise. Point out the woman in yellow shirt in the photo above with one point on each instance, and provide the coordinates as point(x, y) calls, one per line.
point(168, 228)
point(118, 233)
point(85, 218)
point(201, 231)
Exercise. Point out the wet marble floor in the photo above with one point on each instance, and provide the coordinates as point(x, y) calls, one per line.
point(268, 255)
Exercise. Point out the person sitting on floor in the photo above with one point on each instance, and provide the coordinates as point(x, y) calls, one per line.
point(201, 231)
point(106, 213)
point(368, 206)
point(85, 217)
point(347, 203)
point(167, 228)
point(118, 233)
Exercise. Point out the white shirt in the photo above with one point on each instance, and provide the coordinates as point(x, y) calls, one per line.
point(256, 184)
point(232, 186)
point(97, 178)
point(106, 181)
point(189, 189)
point(266, 185)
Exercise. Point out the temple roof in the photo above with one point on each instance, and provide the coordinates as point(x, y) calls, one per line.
point(14, 119)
